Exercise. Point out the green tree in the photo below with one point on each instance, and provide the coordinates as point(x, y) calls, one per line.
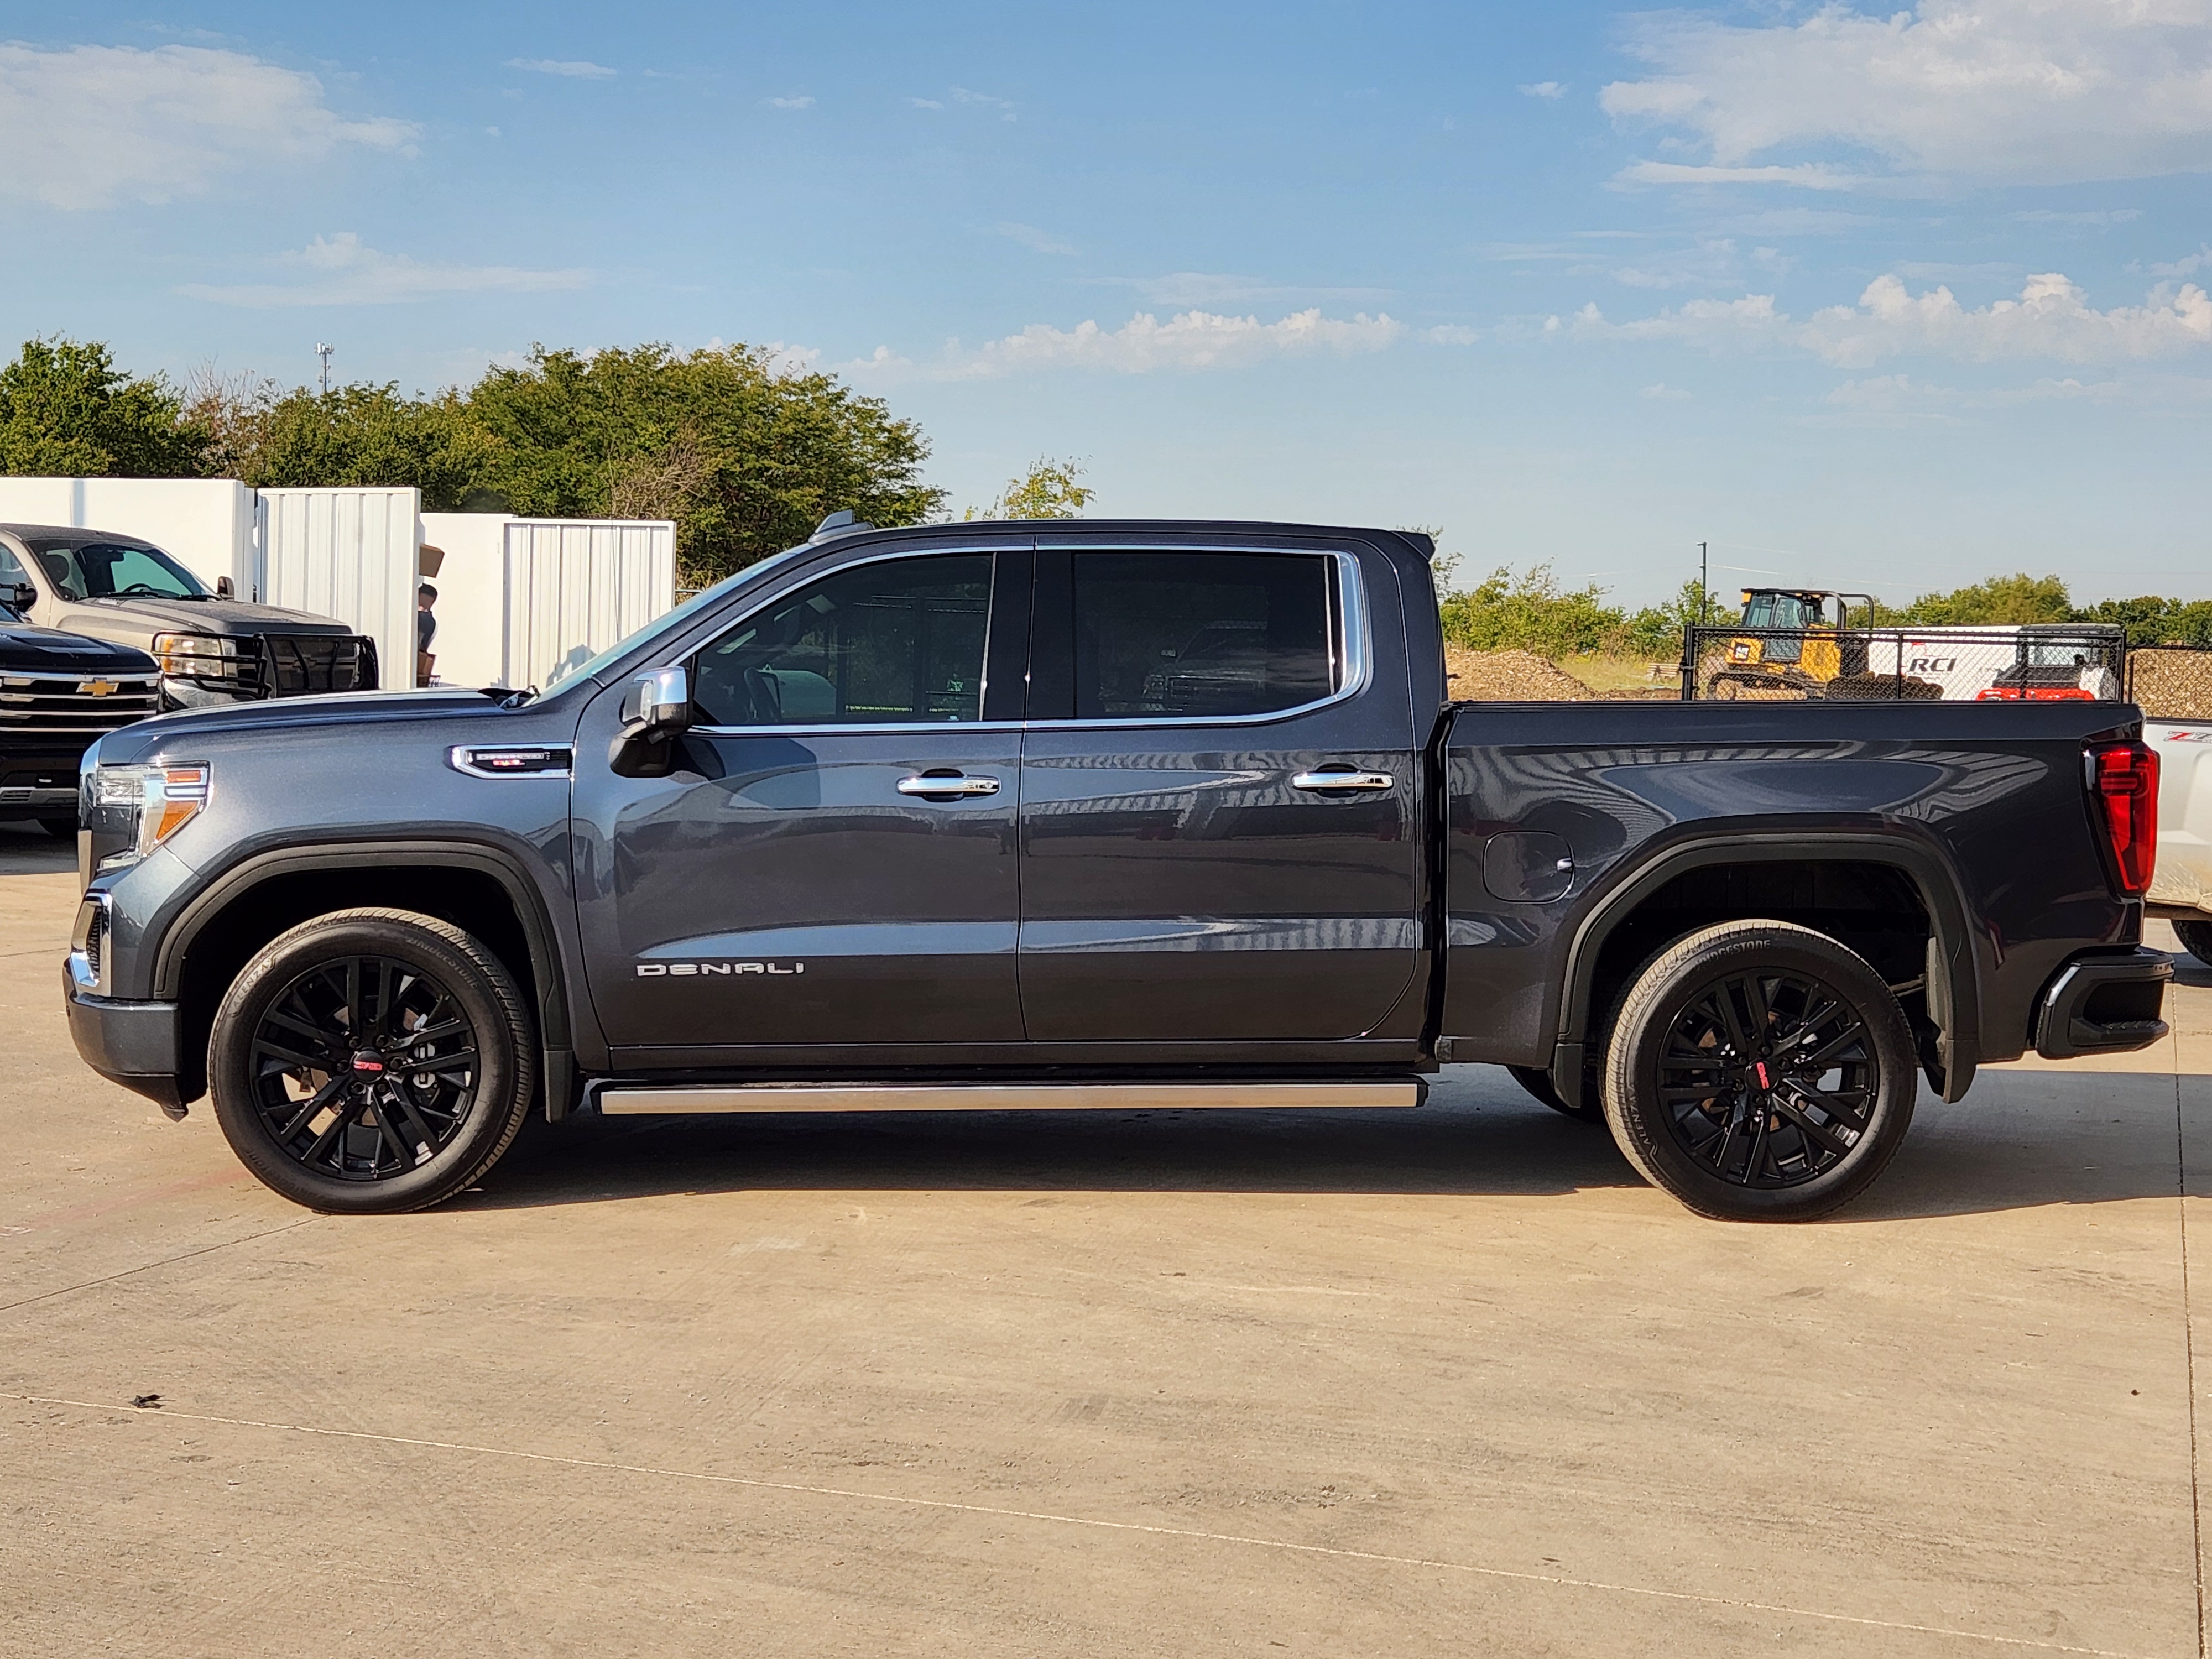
point(746, 458)
point(1999, 601)
point(358, 435)
point(1050, 490)
point(66, 411)
point(1530, 612)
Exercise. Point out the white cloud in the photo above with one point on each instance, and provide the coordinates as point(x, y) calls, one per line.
point(1454, 334)
point(1198, 289)
point(1901, 395)
point(2188, 265)
point(574, 68)
point(1038, 241)
point(1189, 340)
point(801, 102)
point(2051, 319)
point(340, 271)
point(925, 103)
point(1810, 175)
point(1544, 89)
point(2096, 217)
point(1663, 393)
point(1968, 91)
point(1005, 107)
point(90, 126)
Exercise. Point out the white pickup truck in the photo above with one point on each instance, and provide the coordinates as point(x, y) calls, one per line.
point(2181, 890)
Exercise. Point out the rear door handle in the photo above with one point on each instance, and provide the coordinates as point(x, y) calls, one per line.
point(951, 783)
point(1341, 781)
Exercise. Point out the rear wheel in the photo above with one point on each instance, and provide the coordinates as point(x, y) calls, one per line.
point(1760, 1071)
point(1538, 1082)
point(2196, 938)
point(371, 1061)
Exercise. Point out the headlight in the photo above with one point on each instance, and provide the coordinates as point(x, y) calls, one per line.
point(201, 656)
point(132, 810)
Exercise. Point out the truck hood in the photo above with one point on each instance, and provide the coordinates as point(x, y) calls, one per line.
point(233, 617)
point(247, 721)
point(27, 649)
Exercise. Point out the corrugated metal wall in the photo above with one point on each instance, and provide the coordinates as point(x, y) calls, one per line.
point(574, 588)
point(348, 553)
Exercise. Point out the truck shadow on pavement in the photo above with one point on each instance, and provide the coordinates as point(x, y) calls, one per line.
point(2022, 1141)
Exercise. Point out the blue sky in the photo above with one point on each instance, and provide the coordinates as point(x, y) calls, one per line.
point(1891, 299)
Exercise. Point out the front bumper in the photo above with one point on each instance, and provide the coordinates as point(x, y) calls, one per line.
point(2103, 1005)
point(136, 1044)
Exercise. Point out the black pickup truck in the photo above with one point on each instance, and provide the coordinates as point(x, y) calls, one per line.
point(60, 694)
point(1102, 814)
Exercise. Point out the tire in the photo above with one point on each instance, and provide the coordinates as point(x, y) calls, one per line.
point(1824, 1134)
point(59, 828)
point(414, 1062)
point(1538, 1082)
point(2195, 937)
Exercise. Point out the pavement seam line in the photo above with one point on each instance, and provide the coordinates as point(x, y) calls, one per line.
point(147, 1267)
point(1287, 1545)
point(2189, 1356)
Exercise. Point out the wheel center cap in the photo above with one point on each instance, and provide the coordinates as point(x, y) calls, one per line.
point(368, 1059)
point(1759, 1068)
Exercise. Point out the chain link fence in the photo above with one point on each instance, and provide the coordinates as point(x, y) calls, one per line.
point(2036, 664)
point(2172, 682)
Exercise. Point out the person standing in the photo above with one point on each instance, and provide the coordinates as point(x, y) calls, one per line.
point(426, 629)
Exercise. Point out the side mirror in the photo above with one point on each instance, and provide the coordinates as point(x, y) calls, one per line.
point(225, 588)
point(657, 706)
point(23, 596)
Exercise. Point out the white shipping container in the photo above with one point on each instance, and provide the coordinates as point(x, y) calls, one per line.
point(471, 646)
point(206, 524)
point(348, 554)
point(576, 587)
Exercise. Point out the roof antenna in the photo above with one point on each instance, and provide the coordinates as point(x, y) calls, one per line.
point(840, 523)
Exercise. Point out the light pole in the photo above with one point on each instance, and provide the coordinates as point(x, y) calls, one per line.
point(1704, 602)
point(324, 352)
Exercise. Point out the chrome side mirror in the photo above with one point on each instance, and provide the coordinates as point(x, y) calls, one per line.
point(225, 588)
point(657, 705)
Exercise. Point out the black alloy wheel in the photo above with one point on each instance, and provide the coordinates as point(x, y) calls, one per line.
point(1768, 1079)
point(371, 1061)
point(1761, 1071)
point(2195, 937)
point(364, 1067)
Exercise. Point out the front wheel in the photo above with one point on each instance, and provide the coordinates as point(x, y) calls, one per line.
point(1760, 1072)
point(2195, 937)
point(371, 1061)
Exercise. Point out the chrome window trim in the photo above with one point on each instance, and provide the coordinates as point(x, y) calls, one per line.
point(1358, 645)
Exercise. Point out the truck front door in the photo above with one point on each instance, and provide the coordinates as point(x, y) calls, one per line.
point(829, 862)
point(1219, 837)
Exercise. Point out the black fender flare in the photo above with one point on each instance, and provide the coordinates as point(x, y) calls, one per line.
point(1954, 975)
point(548, 965)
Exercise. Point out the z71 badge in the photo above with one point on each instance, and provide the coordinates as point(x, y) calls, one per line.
point(688, 969)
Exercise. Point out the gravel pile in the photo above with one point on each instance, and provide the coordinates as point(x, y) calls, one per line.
point(1508, 677)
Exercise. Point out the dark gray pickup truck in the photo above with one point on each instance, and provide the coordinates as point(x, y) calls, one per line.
point(1102, 814)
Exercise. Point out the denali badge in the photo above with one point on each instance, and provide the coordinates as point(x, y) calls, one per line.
point(685, 969)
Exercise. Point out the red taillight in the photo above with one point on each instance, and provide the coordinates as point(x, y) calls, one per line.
point(2034, 694)
point(2125, 779)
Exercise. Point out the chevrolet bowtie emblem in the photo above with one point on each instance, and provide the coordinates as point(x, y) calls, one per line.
point(96, 688)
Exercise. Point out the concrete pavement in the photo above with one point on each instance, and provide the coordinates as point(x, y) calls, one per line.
point(1451, 1381)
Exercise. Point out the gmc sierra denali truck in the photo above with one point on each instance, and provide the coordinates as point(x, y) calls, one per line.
point(1104, 814)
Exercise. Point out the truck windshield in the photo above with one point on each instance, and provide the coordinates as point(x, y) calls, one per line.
point(107, 570)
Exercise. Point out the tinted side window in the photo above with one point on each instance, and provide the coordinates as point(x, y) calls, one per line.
point(898, 640)
point(1185, 635)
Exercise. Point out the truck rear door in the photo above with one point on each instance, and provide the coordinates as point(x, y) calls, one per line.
point(1220, 838)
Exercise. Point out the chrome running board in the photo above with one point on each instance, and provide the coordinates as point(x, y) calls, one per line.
point(618, 1100)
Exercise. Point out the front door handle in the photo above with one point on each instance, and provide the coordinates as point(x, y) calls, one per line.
point(1341, 781)
point(949, 783)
